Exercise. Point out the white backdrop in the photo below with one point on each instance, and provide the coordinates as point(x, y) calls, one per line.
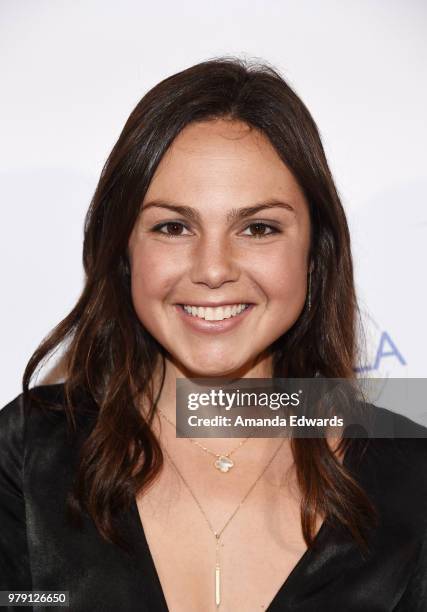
point(71, 72)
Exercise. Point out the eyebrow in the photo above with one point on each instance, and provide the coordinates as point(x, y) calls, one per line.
point(232, 215)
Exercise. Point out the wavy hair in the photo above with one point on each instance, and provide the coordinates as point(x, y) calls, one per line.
point(113, 358)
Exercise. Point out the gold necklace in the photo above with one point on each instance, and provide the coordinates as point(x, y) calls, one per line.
point(218, 534)
point(223, 462)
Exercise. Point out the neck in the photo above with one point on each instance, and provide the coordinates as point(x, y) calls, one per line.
point(260, 368)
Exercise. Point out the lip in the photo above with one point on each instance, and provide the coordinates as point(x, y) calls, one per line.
point(213, 304)
point(212, 326)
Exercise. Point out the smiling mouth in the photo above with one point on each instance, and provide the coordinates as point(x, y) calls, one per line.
point(217, 313)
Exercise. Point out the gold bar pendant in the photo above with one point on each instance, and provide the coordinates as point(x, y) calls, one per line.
point(217, 585)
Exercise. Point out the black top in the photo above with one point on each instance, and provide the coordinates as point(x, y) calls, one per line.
point(39, 551)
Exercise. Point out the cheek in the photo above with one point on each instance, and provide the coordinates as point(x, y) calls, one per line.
point(282, 276)
point(152, 276)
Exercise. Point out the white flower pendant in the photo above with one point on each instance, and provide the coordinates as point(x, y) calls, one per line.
point(223, 464)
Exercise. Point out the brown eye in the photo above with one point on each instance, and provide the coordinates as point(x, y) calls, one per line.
point(259, 230)
point(174, 228)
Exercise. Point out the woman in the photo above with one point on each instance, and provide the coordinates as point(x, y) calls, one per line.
point(215, 246)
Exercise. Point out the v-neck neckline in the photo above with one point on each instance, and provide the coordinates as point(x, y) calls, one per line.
point(325, 529)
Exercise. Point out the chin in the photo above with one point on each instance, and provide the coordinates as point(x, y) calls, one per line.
point(214, 372)
point(214, 369)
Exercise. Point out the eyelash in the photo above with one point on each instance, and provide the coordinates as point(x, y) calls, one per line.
point(157, 229)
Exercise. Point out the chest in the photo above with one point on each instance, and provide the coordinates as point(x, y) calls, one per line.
point(260, 544)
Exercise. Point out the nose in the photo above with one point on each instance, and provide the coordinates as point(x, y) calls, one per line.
point(214, 262)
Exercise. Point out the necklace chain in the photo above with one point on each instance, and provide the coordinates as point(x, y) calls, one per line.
point(207, 450)
point(218, 534)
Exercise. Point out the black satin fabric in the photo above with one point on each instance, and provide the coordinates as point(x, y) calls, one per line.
point(40, 551)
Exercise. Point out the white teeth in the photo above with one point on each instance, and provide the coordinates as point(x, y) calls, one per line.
point(215, 314)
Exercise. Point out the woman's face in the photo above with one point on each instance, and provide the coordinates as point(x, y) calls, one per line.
point(224, 223)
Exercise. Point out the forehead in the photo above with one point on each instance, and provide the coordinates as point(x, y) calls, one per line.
point(223, 158)
point(219, 137)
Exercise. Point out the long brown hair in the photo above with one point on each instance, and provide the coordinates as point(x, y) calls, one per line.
point(112, 358)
